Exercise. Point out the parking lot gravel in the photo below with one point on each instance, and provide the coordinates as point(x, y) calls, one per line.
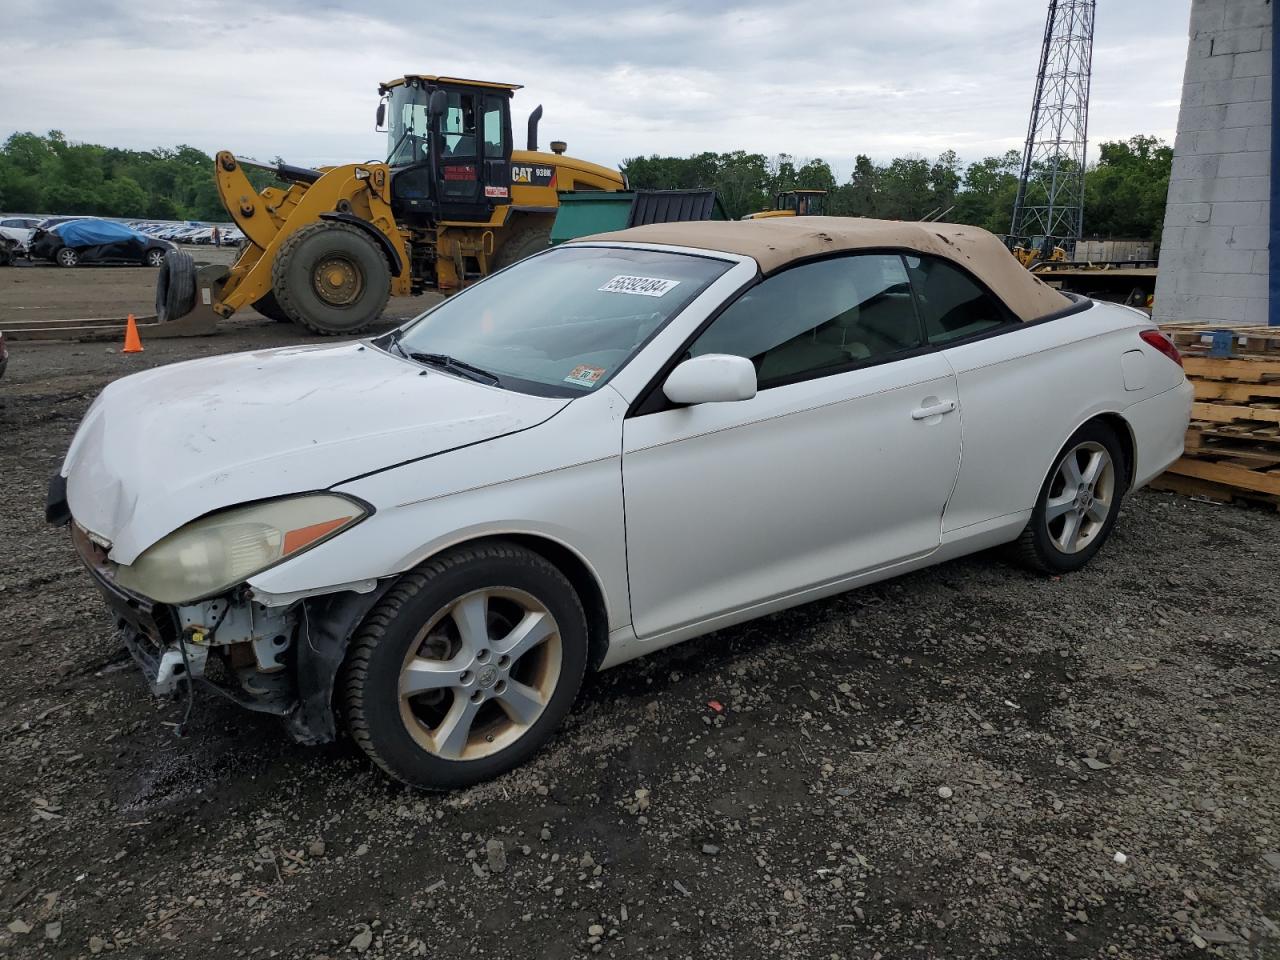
point(968, 761)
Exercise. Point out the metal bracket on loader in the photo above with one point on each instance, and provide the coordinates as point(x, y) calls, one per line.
point(208, 279)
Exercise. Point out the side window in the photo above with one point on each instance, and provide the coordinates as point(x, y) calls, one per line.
point(493, 128)
point(952, 305)
point(459, 125)
point(818, 318)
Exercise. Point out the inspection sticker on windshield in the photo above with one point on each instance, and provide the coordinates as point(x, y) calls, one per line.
point(584, 376)
point(641, 286)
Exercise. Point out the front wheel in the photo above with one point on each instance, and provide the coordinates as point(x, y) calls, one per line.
point(153, 257)
point(67, 257)
point(466, 667)
point(332, 278)
point(1078, 503)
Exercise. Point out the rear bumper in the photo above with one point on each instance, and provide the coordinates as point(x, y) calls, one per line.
point(1160, 431)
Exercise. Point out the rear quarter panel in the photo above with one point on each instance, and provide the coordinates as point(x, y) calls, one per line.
point(1023, 393)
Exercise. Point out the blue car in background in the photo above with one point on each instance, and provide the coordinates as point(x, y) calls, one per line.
point(90, 240)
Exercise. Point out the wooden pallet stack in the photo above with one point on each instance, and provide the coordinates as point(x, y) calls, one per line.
point(1233, 443)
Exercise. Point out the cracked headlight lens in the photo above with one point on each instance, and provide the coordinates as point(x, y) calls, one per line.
point(221, 550)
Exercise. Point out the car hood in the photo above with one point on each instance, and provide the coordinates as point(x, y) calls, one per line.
point(161, 448)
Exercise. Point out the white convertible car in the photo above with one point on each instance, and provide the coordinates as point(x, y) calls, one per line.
point(609, 447)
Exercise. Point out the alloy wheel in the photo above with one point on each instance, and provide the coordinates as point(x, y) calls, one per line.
point(1081, 497)
point(480, 673)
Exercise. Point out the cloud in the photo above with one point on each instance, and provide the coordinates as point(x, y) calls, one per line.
point(814, 77)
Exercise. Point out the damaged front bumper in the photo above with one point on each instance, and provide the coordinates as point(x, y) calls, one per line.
point(280, 660)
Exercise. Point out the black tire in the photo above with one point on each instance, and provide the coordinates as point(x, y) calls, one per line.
point(524, 242)
point(175, 286)
point(293, 278)
point(1036, 547)
point(154, 257)
point(370, 683)
point(66, 257)
point(269, 307)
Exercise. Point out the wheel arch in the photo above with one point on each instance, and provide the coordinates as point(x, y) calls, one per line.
point(1123, 431)
point(581, 577)
point(1118, 425)
point(394, 260)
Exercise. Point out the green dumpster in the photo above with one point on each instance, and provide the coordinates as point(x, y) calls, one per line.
point(585, 212)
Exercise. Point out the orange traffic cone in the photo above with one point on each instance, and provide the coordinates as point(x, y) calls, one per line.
point(132, 342)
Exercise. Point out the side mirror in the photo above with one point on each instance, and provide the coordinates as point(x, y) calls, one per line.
point(711, 378)
point(382, 115)
point(438, 103)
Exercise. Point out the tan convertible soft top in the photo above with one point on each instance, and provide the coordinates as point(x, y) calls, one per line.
point(775, 242)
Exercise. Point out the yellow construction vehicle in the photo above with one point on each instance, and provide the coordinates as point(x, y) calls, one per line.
point(794, 203)
point(1036, 251)
point(451, 203)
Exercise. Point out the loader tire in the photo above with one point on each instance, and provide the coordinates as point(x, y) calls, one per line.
point(523, 242)
point(175, 286)
point(331, 278)
point(269, 307)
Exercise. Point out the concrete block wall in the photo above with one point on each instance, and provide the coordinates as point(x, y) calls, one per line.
point(1214, 259)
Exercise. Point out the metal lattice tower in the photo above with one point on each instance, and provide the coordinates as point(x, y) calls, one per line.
point(1050, 200)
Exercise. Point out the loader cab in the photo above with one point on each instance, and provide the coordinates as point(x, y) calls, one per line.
point(802, 203)
point(448, 146)
point(794, 203)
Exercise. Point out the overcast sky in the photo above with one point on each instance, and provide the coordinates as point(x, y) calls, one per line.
point(816, 78)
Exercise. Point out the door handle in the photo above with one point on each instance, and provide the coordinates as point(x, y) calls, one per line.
point(933, 410)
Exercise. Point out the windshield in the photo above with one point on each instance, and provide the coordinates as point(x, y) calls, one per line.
point(561, 324)
point(408, 125)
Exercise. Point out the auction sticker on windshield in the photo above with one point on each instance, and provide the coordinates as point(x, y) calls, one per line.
point(584, 376)
point(641, 286)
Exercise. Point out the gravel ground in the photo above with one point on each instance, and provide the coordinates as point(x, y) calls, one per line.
point(967, 761)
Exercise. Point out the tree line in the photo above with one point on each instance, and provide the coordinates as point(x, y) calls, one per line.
point(1124, 191)
point(49, 174)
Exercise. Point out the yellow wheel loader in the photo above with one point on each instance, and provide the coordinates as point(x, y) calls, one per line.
point(451, 203)
point(1031, 253)
point(794, 203)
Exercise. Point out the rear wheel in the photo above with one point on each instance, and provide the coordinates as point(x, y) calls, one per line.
point(523, 242)
point(331, 278)
point(269, 307)
point(66, 257)
point(1078, 502)
point(153, 257)
point(466, 667)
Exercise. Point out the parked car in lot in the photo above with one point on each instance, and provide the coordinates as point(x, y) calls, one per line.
point(19, 229)
point(90, 240)
point(609, 447)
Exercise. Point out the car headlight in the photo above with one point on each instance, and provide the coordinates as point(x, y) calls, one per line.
point(218, 551)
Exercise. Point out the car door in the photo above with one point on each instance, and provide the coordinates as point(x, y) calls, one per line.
point(841, 463)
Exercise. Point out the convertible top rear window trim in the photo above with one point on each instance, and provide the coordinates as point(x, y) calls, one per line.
point(652, 400)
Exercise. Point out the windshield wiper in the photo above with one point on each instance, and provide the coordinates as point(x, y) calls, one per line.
point(468, 370)
point(394, 341)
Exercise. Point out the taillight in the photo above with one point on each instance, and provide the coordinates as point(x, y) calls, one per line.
point(1162, 343)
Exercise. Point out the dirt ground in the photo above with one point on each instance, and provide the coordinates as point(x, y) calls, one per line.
point(967, 761)
point(36, 290)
